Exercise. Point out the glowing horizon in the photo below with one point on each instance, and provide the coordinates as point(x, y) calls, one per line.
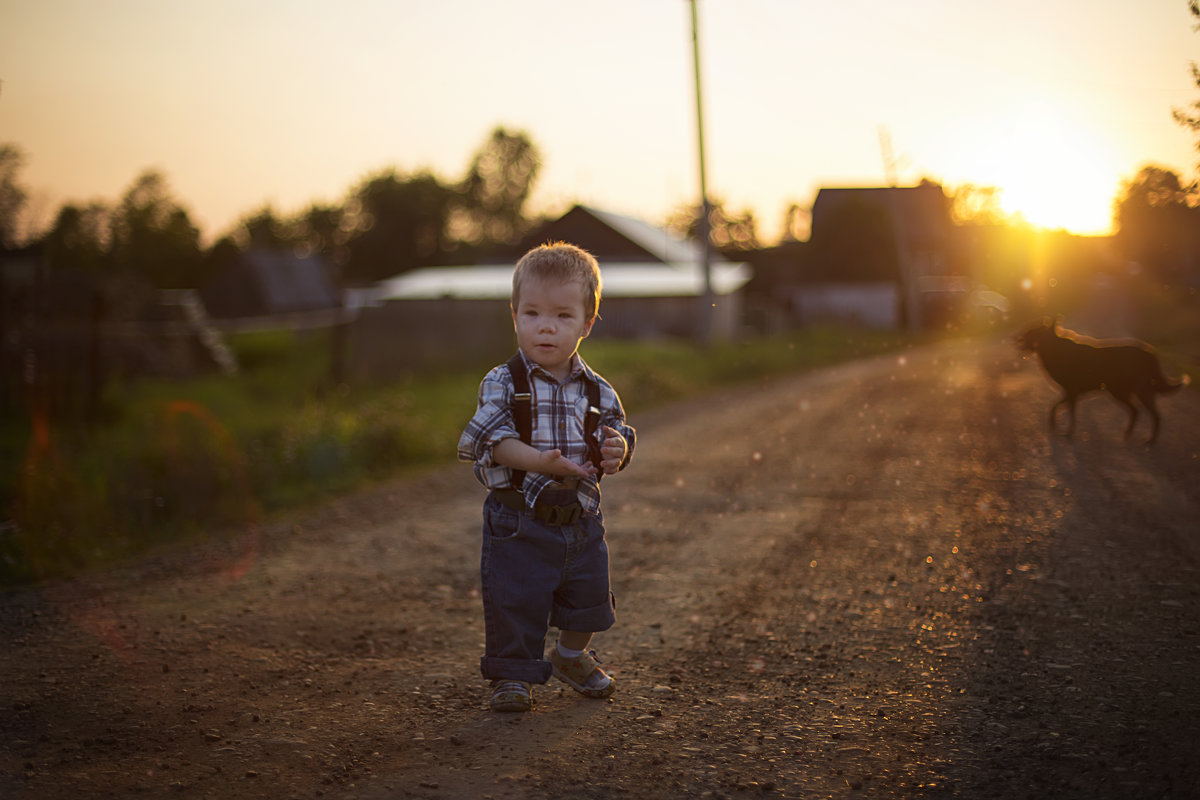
point(286, 104)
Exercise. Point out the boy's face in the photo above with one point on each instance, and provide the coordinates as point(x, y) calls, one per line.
point(549, 321)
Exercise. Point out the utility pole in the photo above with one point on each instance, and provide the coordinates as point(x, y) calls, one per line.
point(705, 329)
point(889, 160)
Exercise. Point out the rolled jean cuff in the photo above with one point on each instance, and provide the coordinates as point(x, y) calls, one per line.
point(515, 669)
point(585, 620)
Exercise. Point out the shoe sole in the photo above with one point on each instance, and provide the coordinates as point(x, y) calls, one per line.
point(595, 694)
point(511, 706)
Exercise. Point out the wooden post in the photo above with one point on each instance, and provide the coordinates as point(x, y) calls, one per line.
point(705, 326)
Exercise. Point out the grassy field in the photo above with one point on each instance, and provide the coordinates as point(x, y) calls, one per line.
point(178, 460)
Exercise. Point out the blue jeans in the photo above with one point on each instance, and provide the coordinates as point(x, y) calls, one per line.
point(536, 575)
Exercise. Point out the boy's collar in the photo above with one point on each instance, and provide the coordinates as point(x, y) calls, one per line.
point(578, 367)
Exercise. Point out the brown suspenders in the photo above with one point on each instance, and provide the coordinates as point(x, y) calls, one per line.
point(523, 414)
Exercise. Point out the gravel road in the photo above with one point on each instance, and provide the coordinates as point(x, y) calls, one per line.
point(883, 579)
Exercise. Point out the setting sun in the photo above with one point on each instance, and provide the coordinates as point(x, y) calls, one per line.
point(1051, 172)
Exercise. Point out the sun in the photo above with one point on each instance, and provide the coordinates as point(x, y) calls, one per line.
point(1050, 171)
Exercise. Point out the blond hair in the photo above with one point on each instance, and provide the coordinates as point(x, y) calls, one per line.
point(564, 263)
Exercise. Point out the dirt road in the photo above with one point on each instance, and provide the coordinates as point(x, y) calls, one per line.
point(883, 579)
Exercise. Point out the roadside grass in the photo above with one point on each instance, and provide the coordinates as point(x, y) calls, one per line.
point(1171, 321)
point(651, 374)
point(177, 460)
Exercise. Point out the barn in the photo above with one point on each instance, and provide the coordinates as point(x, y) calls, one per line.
point(653, 288)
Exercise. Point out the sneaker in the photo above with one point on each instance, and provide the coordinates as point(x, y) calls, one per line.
point(583, 674)
point(511, 696)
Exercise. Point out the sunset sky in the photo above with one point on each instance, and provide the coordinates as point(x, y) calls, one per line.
point(242, 103)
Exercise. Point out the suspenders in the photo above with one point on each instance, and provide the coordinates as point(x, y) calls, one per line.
point(523, 414)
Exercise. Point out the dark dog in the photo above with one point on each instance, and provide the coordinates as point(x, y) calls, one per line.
point(1127, 368)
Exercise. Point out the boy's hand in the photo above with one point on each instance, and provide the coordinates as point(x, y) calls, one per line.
point(515, 454)
point(612, 450)
point(553, 462)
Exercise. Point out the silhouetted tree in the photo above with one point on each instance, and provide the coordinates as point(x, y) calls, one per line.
point(1157, 225)
point(493, 194)
point(1190, 117)
point(221, 256)
point(264, 230)
point(154, 238)
point(796, 222)
point(80, 239)
point(727, 231)
point(397, 224)
point(12, 195)
point(321, 229)
point(976, 205)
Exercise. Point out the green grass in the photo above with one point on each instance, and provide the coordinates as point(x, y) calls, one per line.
point(1171, 323)
point(651, 374)
point(178, 460)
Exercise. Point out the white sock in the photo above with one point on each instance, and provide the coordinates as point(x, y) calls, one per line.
point(565, 653)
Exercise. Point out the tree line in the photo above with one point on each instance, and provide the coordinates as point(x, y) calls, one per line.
point(392, 222)
point(387, 223)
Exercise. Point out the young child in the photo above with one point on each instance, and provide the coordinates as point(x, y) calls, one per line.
point(545, 560)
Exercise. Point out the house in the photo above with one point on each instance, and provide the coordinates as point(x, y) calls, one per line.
point(653, 287)
point(883, 257)
point(270, 283)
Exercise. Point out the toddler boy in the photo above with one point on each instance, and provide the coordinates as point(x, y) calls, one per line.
point(546, 429)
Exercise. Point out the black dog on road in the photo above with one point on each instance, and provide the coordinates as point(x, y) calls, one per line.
point(1126, 368)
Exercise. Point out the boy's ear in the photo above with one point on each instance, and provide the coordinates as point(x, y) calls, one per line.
point(587, 327)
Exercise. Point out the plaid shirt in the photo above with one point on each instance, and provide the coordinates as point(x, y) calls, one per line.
point(558, 414)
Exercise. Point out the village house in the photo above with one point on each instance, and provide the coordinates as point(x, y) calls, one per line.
point(272, 285)
point(886, 257)
point(653, 287)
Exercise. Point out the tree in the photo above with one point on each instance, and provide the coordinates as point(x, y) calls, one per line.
point(397, 224)
point(796, 222)
point(498, 183)
point(264, 230)
point(79, 238)
point(1157, 226)
point(971, 204)
point(727, 230)
point(153, 236)
point(12, 195)
point(1190, 118)
point(221, 256)
point(322, 229)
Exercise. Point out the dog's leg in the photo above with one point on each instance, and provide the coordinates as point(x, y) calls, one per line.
point(1133, 415)
point(1124, 398)
point(1068, 401)
point(1147, 398)
point(1054, 415)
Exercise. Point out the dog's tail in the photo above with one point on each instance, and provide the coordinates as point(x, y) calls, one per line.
point(1164, 385)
